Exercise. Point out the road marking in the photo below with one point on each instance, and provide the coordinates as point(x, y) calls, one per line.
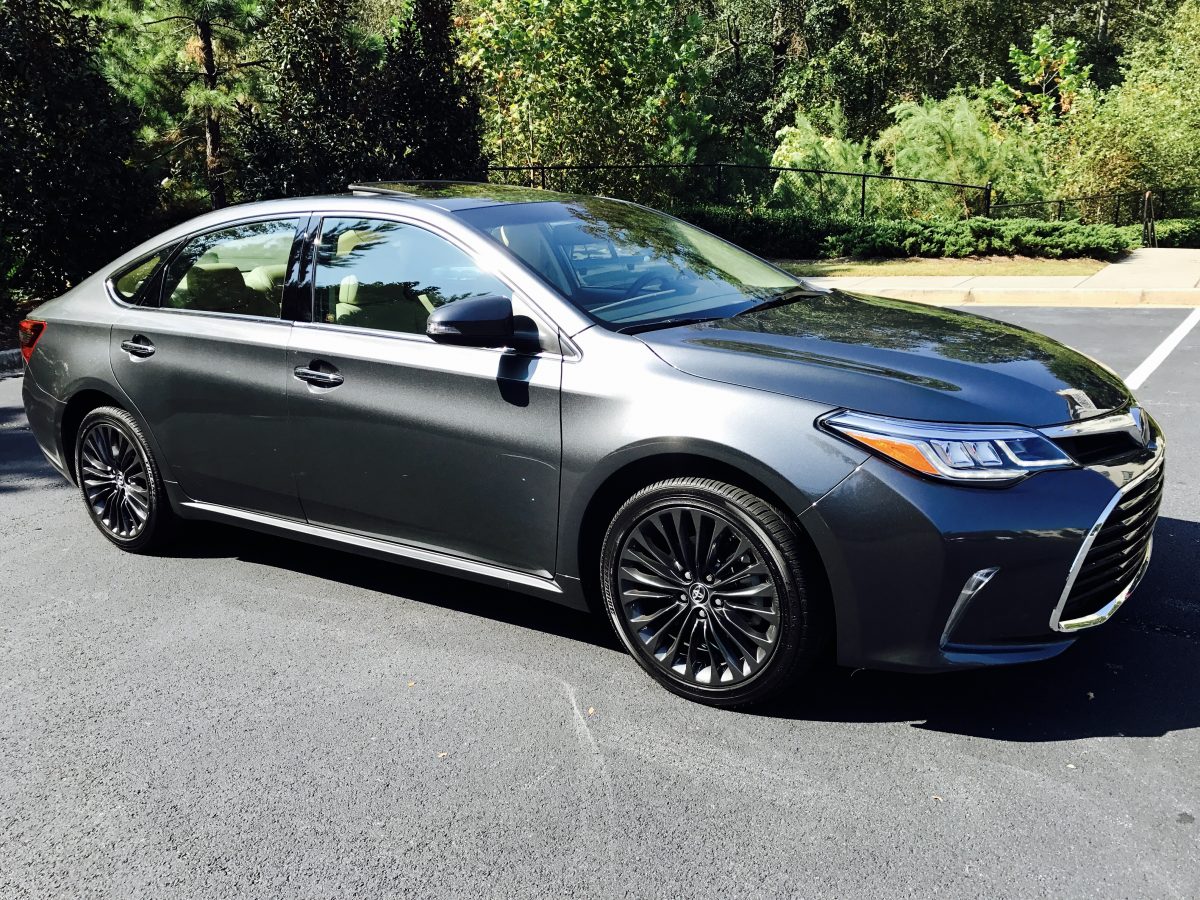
point(1139, 375)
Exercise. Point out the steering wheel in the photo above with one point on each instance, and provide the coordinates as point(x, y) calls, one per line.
point(637, 288)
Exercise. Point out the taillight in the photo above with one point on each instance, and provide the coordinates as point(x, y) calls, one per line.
point(27, 336)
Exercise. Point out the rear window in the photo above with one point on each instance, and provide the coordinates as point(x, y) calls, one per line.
point(128, 282)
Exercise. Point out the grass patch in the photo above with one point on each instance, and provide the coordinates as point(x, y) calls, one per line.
point(967, 266)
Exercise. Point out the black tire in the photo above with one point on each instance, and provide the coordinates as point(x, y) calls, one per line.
point(120, 481)
point(713, 602)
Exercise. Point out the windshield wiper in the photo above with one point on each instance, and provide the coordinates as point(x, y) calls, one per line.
point(783, 298)
point(638, 327)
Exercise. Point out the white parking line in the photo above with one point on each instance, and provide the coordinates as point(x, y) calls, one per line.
point(1139, 375)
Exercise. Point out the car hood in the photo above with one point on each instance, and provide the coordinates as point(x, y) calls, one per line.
point(898, 359)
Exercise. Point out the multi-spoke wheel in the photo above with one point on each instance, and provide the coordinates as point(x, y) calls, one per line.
point(702, 582)
point(119, 480)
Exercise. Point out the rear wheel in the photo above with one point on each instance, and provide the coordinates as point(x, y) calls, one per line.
point(702, 582)
point(120, 482)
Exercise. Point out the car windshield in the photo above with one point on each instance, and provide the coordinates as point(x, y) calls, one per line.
point(628, 266)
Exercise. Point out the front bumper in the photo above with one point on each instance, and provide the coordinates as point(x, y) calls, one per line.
point(927, 575)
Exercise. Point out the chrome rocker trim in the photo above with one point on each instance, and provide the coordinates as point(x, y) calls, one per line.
point(1102, 615)
point(329, 537)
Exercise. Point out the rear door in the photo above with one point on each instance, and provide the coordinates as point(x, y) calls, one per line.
point(204, 360)
point(455, 449)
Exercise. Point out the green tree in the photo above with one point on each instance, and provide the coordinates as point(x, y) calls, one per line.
point(803, 146)
point(182, 62)
point(1050, 76)
point(1145, 131)
point(587, 81)
point(956, 140)
point(69, 200)
point(339, 105)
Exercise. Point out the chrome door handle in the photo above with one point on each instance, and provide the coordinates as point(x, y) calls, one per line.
point(137, 348)
point(317, 378)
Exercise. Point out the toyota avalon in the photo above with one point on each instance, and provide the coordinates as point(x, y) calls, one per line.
point(592, 402)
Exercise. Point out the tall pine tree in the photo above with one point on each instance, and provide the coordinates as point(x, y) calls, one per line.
point(337, 107)
point(69, 198)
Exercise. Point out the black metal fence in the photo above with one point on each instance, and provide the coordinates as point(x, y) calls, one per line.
point(823, 191)
point(830, 192)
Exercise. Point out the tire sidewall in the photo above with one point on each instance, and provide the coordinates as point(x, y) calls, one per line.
point(786, 575)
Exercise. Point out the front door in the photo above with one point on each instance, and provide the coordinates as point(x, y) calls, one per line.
point(203, 360)
point(455, 449)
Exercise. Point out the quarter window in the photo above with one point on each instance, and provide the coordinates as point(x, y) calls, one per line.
point(235, 270)
point(128, 282)
point(373, 273)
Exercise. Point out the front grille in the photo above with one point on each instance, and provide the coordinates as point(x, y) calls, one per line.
point(1116, 555)
point(1103, 448)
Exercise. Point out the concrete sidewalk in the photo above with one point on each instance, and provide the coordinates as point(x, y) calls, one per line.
point(1147, 277)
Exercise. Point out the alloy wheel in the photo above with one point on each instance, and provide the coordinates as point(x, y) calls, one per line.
point(697, 596)
point(114, 480)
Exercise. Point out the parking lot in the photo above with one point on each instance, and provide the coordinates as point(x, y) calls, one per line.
point(252, 717)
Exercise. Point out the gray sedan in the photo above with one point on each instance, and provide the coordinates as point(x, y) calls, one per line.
point(595, 403)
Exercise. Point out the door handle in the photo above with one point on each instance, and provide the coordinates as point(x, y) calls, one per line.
point(318, 378)
point(138, 346)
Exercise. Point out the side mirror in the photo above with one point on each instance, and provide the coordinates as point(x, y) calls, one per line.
point(473, 322)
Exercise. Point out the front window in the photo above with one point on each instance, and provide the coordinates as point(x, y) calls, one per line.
point(387, 276)
point(626, 265)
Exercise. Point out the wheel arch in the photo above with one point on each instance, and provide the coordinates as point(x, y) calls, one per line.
point(622, 483)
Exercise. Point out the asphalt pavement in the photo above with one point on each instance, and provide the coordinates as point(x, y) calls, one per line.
point(250, 717)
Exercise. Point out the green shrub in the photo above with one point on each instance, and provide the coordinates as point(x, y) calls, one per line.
point(1176, 233)
point(780, 233)
point(785, 234)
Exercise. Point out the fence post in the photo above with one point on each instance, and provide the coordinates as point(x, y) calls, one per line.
point(1117, 210)
point(1149, 232)
point(1058, 211)
point(720, 182)
point(862, 199)
point(987, 200)
point(542, 167)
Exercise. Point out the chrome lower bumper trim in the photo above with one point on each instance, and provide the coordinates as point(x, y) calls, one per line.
point(970, 588)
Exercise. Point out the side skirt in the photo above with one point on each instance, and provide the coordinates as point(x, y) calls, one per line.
point(355, 543)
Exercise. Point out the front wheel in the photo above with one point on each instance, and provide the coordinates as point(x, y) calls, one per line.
point(702, 582)
point(120, 481)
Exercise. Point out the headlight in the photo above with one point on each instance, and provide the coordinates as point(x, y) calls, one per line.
point(949, 451)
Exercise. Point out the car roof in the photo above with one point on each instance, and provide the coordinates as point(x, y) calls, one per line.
point(452, 195)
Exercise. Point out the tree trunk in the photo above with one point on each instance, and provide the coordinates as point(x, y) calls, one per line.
point(1102, 23)
point(212, 125)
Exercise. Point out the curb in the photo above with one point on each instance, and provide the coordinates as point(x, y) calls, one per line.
point(1082, 299)
point(11, 363)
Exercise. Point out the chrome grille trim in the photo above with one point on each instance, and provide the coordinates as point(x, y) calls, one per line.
point(1057, 623)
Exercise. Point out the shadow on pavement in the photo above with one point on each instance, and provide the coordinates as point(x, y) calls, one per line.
point(206, 539)
point(1137, 676)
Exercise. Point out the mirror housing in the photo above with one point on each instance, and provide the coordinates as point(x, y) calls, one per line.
point(473, 322)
